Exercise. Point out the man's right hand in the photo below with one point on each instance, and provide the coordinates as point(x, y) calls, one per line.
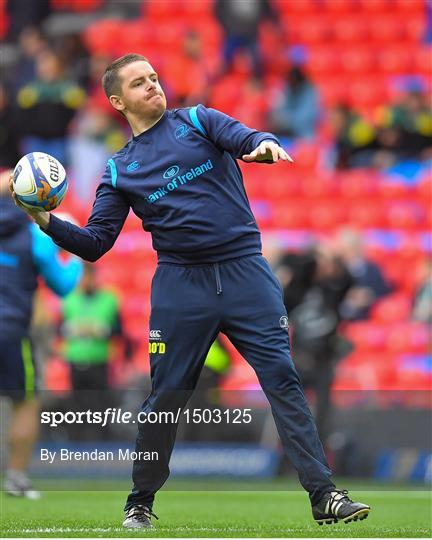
point(41, 217)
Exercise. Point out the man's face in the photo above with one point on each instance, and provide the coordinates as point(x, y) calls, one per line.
point(141, 93)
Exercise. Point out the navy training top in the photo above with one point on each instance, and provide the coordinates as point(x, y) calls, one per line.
point(182, 180)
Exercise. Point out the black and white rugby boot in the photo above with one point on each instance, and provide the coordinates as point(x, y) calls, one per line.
point(138, 517)
point(337, 506)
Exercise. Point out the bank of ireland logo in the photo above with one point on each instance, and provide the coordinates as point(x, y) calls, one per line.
point(171, 172)
point(181, 131)
point(283, 322)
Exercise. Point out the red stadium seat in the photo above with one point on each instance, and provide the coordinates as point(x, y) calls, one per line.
point(293, 216)
point(406, 216)
point(278, 187)
point(316, 188)
point(333, 91)
point(198, 9)
point(385, 29)
point(327, 215)
point(367, 92)
point(369, 336)
point(423, 64)
point(395, 60)
point(393, 308)
point(366, 215)
point(415, 28)
point(349, 29)
point(357, 184)
point(336, 7)
point(323, 60)
point(408, 338)
point(159, 10)
point(76, 5)
point(375, 8)
point(101, 36)
point(357, 60)
point(4, 19)
point(305, 8)
point(389, 190)
point(410, 7)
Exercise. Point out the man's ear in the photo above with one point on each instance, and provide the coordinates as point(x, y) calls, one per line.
point(117, 103)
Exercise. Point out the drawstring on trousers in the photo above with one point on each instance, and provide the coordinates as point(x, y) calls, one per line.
point(218, 279)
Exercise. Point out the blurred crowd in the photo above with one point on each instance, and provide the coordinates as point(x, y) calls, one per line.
point(51, 99)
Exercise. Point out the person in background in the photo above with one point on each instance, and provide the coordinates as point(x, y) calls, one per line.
point(355, 138)
point(23, 14)
point(405, 129)
point(315, 284)
point(90, 319)
point(32, 42)
point(295, 112)
point(25, 253)
point(240, 22)
point(9, 150)
point(369, 283)
point(193, 88)
point(46, 106)
point(422, 307)
point(96, 135)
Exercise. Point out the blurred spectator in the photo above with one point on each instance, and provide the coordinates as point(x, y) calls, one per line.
point(31, 43)
point(91, 318)
point(369, 283)
point(251, 107)
point(96, 94)
point(75, 56)
point(406, 128)
point(25, 13)
point(428, 30)
point(188, 73)
point(46, 107)
point(97, 136)
point(314, 285)
point(241, 21)
point(26, 253)
point(422, 308)
point(9, 151)
point(295, 112)
point(355, 138)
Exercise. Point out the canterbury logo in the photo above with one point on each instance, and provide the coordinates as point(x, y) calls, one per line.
point(155, 334)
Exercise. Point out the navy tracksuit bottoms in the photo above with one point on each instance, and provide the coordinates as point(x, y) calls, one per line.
point(190, 306)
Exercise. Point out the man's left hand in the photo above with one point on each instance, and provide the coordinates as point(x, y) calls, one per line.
point(267, 151)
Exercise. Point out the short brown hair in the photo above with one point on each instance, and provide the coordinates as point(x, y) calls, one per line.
point(110, 80)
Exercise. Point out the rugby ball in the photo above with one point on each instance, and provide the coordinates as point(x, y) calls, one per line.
point(39, 181)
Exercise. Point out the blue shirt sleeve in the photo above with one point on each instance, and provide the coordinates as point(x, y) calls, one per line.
point(60, 277)
point(109, 213)
point(230, 134)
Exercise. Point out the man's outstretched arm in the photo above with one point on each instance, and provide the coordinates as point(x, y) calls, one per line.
point(239, 140)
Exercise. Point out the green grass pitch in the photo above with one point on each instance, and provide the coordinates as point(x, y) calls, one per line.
point(220, 513)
